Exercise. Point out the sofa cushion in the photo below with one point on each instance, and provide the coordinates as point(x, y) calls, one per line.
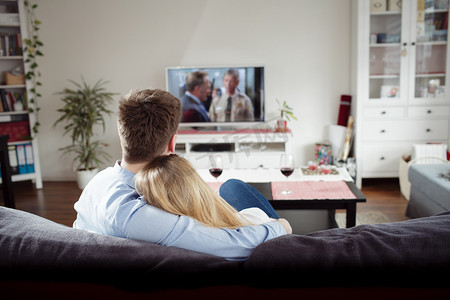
point(32, 246)
point(410, 252)
point(429, 190)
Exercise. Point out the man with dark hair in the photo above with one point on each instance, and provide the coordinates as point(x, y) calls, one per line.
point(109, 205)
point(198, 88)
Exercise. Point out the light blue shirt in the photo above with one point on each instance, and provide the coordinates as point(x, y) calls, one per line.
point(109, 205)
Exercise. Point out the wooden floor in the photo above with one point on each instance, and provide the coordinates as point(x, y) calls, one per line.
point(55, 201)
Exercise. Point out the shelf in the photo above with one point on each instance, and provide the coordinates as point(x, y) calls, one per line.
point(393, 76)
point(385, 13)
point(6, 113)
point(20, 142)
point(435, 11)
point(11, 57)
point(22, 177)
point(13, 86)
point(15, 121)
point(432, 43)
point(382, 45)
point(246, 148)
point(430, 75)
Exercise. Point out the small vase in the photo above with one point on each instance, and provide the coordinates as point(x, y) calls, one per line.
point(281, 125)
point(84, 176)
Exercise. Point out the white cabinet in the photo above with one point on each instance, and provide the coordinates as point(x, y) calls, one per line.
point(399, 79)
point(247, 149)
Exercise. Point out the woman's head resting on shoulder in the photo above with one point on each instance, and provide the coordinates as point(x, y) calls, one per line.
point(171, 183)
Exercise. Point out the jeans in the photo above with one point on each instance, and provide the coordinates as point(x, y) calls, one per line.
point(241, 195)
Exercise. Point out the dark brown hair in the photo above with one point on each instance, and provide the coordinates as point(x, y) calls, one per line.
point(147, 119)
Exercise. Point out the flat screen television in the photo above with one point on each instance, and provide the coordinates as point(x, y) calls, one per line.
point(251, 89)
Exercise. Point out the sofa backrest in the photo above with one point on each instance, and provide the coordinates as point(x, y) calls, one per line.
point(413, 252)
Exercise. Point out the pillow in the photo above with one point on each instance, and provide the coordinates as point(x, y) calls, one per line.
point(34, 247)
point(413, 252)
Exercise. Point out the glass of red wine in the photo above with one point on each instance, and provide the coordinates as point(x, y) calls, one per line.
point(287, 168)
point(215, 166)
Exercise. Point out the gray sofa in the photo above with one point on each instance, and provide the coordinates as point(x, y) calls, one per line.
point(43, 259)
point(430, 190)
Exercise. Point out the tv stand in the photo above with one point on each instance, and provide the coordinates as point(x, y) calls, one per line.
point(240, 148)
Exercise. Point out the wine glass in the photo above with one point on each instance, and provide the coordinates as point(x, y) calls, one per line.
point(287, 168)
point(215, 166)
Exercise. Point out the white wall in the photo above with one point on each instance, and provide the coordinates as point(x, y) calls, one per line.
point(304, 45)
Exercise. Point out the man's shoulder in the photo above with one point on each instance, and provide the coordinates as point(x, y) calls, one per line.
point(242, 95)
point(187, 102)
point(107, 203)
point(187, 98)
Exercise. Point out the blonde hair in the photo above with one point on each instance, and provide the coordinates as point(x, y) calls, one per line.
point(171, 183)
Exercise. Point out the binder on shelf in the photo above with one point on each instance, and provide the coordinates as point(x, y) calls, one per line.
point(21, 159)
point(29, 158)
point(13, 160)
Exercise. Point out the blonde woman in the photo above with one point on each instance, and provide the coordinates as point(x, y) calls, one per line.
point(170, 183)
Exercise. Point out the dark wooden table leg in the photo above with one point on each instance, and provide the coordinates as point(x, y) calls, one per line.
point(351, 215)
point(5, 168)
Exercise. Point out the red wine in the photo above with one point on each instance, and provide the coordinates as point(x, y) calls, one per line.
point(287, 171)
point(215, 172)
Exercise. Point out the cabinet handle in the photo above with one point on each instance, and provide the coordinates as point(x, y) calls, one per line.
point(382, 158)
point(405, 44)
point(429, 111)
point(383, 112)
point(382, 131)
point(428, 130)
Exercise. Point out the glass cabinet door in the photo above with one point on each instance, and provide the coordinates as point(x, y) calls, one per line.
point(431, 48)
point(385, 53)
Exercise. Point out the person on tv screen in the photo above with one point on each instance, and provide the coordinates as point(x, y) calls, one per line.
point(233, 105)
point(198, 87)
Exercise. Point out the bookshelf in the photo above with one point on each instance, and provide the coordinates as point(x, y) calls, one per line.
point(399, 80)
point(15, 120)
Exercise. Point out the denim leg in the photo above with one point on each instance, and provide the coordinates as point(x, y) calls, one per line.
point(241, 195)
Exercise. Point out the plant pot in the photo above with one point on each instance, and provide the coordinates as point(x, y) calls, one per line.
point(281, 126)
point(84, 176)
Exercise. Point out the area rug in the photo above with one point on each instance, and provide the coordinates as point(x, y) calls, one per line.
point(370, 217)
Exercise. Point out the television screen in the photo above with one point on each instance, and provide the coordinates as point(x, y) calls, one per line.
point(229, 96)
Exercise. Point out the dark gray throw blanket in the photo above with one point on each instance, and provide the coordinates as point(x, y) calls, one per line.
point(414, 252)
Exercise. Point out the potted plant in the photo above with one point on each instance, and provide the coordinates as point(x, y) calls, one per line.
point(286, 114)
point(84, 110)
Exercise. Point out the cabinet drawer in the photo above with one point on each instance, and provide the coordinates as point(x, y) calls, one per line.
point(381, 112)
point(406, 130)
point(383, 157)
point(429, 111)
point(255, 160)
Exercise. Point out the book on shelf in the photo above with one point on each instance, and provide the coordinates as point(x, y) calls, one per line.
point(16, 126)
point(10, 44)
point(12, 101)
